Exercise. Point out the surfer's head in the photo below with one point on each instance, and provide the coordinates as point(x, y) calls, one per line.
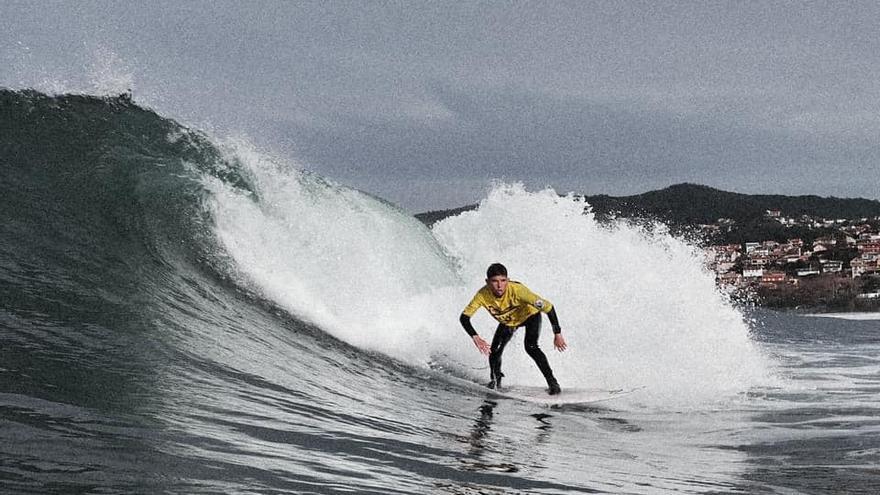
point(496, 279)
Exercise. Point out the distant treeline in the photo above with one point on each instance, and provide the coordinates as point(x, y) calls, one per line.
point(696, 204)
point(431, 217)
point(684, 206)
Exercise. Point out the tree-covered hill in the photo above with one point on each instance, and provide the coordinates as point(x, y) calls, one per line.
point(696, 204)
point(686, 205)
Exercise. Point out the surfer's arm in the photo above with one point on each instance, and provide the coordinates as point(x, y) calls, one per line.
point(554, 321)
point(481, 344)
point(468, 311)
point(558, 339)
point(465, 321)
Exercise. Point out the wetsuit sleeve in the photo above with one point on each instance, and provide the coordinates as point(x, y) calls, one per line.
point(465, 321)
point(469, 311)
point(554, 321)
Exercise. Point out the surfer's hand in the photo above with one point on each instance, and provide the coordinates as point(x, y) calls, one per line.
point(559, 342)
point(481, 344)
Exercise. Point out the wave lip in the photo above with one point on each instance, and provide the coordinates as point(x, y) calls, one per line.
point(359, 267)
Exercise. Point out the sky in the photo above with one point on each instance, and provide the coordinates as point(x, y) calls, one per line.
point(426, 104)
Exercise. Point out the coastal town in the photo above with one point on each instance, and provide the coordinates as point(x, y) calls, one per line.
point(842, 265)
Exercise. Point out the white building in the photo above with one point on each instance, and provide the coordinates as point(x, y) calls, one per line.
point(831, 266)
point(753, 272)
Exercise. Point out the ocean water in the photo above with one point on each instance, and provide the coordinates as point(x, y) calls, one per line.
point(184, 314)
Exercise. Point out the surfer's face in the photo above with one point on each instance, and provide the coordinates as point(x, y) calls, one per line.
point(498, 284)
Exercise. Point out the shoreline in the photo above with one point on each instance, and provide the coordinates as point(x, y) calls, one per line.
point(854, 315)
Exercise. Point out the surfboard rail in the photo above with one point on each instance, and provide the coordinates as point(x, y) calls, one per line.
point(568, 396)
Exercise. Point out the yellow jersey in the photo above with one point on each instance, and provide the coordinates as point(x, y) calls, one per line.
point(513, 308)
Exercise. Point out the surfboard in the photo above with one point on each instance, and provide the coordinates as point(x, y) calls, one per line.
point(570, 396)
point(539, 395)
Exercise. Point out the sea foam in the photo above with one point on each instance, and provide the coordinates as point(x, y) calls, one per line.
point(638, 309)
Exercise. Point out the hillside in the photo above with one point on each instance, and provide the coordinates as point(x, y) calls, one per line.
point(695, 204)
point(683, 206)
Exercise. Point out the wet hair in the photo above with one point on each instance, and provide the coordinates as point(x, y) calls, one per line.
point(496, 269)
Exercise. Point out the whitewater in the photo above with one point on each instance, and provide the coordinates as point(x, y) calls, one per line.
point(379, 280)
point(186, 314)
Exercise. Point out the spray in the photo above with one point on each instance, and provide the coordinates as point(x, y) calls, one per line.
point(638, 309)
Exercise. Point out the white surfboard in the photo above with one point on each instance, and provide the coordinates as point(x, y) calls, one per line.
point(539, 395)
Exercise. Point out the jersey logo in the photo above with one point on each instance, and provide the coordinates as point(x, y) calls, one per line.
point(500, 313)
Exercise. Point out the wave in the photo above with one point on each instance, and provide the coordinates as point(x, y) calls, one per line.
point(116, 217)
point(639, 308)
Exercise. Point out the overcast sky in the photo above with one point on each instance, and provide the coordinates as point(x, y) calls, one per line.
point(425, 104)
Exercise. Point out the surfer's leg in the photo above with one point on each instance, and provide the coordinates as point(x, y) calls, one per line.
point(502, 336)
point(533, 331)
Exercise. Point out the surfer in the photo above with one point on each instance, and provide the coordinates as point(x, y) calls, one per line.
point(514, 306)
